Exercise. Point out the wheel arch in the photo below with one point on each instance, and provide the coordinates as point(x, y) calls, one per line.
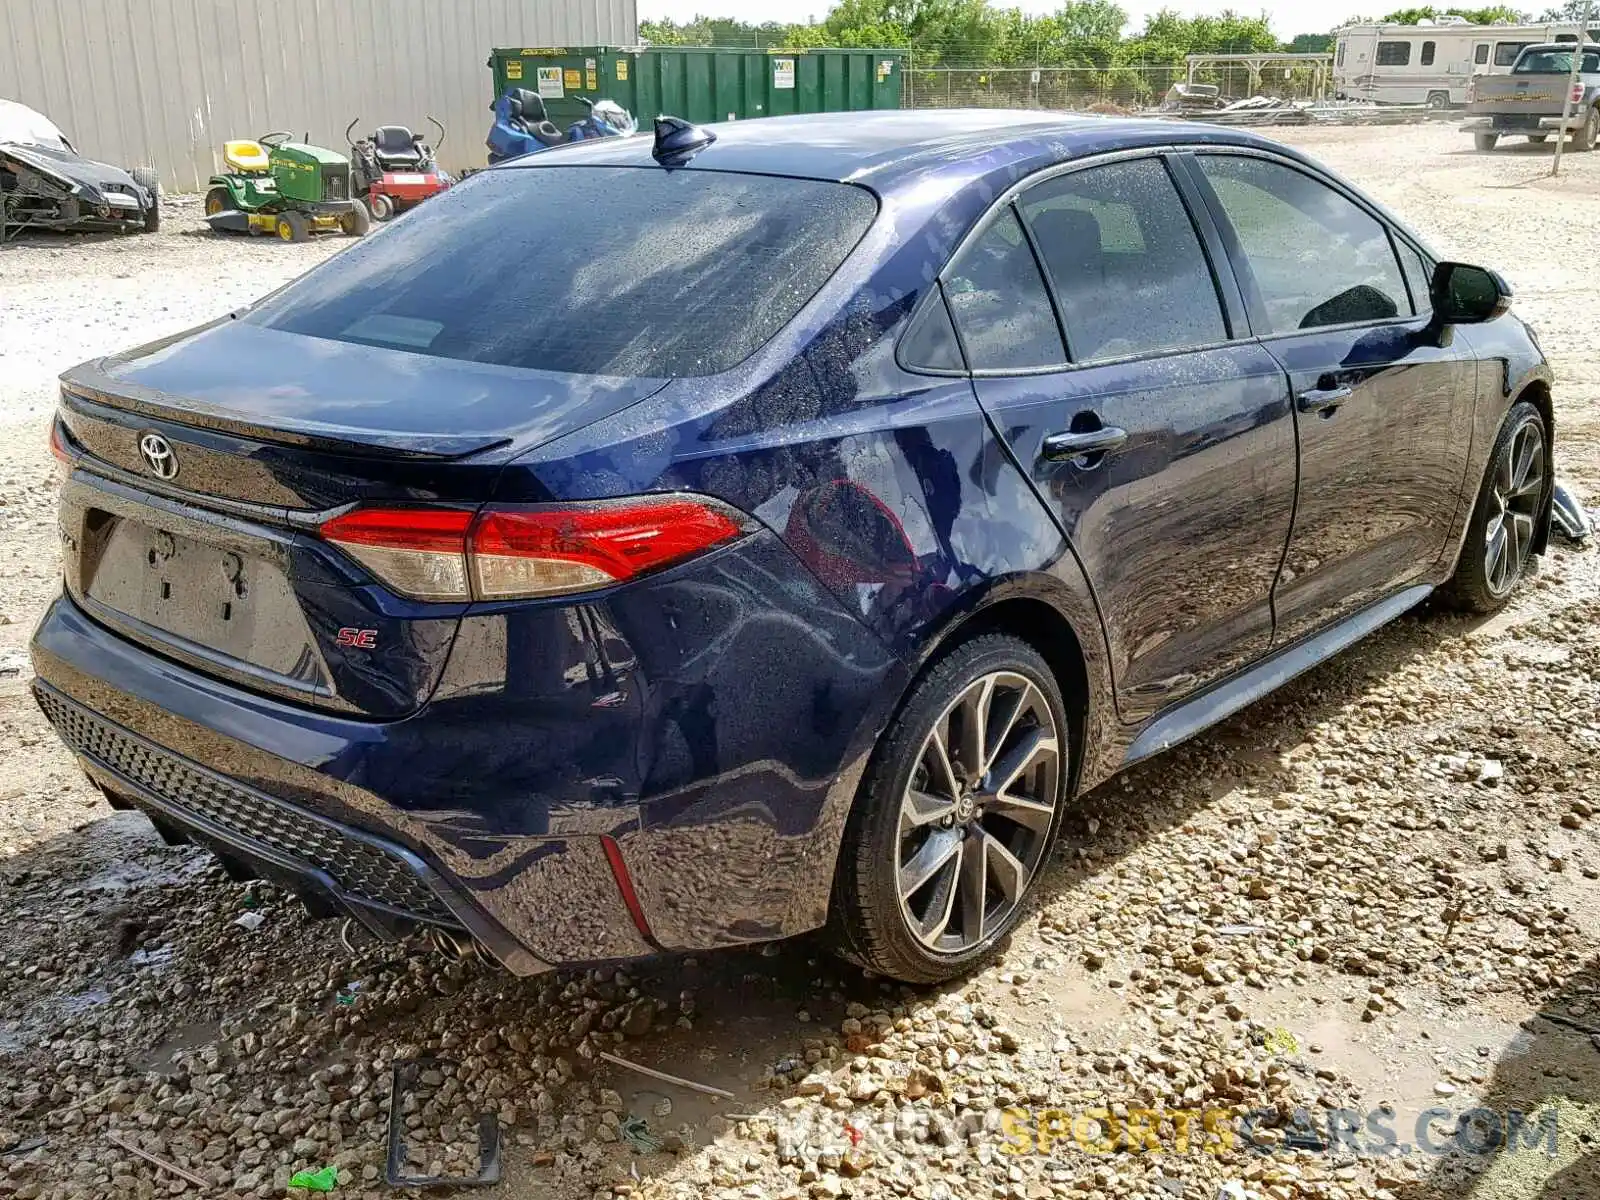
point(1056, 614)
point(1042, 626)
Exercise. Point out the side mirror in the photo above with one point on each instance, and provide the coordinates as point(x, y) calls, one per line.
point(1466, 295)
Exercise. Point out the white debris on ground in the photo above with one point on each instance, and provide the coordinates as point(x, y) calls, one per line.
point(1356, 894)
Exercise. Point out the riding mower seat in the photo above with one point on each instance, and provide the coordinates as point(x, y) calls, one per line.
point(528, 113)
point(395, 144)
point(247, 157)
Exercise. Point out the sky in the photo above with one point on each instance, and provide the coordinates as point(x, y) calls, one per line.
point(1288, 17)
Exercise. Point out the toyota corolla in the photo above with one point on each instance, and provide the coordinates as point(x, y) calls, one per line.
point(673, 543)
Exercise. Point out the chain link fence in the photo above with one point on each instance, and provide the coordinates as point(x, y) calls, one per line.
point(1130, 87)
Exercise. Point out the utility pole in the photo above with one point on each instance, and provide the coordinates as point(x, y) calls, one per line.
point(1572, 86)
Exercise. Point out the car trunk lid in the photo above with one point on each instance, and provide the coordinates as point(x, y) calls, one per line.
point(204, 465)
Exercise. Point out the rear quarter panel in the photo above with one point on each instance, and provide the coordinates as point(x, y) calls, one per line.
point(887, 489)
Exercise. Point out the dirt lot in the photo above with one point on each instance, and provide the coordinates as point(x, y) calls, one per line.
point(1351, 901)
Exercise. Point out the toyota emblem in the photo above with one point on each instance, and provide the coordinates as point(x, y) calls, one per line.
point(158, 456)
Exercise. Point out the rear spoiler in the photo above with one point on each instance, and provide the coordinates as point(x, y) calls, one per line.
point(88, 383)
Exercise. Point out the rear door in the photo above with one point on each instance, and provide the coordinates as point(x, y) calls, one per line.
point(1383, 412)
point(1163, 444)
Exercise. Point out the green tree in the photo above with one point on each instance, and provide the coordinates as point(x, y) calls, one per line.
point(1311, 43)
point(1499, 14)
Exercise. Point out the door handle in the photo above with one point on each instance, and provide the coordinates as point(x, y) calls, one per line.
point(1058, 446)
point(1324, 400)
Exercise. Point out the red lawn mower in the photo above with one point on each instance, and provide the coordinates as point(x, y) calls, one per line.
point(394, 169)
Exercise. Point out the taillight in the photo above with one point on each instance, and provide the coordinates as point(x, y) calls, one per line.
point(509, 553)
point(420, 552)
point(544, 552)
point(1577, 93)
point(58, 447)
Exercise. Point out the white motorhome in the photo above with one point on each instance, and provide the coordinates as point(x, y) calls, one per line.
point(1430, 63)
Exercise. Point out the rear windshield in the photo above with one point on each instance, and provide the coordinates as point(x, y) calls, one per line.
point(1555, 62)
point(590, 270)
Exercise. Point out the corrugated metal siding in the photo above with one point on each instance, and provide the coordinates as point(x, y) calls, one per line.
point(164, 82)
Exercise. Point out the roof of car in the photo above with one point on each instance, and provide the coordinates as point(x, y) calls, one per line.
point(882, 147)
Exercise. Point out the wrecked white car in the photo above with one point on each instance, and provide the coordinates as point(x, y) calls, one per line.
point(46, 184)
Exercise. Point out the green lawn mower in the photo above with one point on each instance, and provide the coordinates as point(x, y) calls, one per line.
point(273, 185)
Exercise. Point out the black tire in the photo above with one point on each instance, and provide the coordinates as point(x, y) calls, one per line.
point(147, 178)
point(867, 923)
point(1485, 142)
point(381, 207)
point(293, 227)
point(1585, 138)
point(356, 222)
point(1473, 588)
point(1438, 101)
point(1538, 139)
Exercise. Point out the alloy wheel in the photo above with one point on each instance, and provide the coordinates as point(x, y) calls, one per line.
point(1516, 492)
point(975, 819)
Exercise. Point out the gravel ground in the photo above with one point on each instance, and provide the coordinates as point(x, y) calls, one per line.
point(1349, 903)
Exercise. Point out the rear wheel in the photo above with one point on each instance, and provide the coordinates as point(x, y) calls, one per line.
point(1585, 138)
point(1538, 139)
point(1485, 142)
point(1499, 544)
point(292, 227)
point(219, 200)
point(382, 207)
point(1438, 100)
point(956, 816)
point(355, 223)
point(147, 178)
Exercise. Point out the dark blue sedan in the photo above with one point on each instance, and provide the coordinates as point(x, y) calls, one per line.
point(651, 547)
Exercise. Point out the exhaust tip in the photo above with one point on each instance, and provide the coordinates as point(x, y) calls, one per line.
point(457, 947)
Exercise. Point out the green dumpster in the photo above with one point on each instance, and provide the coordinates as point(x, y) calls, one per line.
point(702, 83)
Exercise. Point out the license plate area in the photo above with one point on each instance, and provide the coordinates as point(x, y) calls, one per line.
point(201, 595)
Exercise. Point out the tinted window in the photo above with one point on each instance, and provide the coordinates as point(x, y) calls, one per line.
point(1125, 261)
point(1316, 257)
point(1339, 59)
point(594, 270)
point(1480, 53)
point(930, 343)
point(1419, 276)
point(1505, 53)
point(1427, 54)
point(1394, 54)
point(1555, 62)
point(999, 303)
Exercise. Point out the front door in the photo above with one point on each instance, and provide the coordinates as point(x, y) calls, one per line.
point(1164, 447)
point(1383, 412)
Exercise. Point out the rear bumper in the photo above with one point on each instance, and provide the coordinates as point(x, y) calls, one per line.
point(381, 884)
point(1522, 123)
point(284, 791)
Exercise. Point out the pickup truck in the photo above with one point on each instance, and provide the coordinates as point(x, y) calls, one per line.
point(1530, 100)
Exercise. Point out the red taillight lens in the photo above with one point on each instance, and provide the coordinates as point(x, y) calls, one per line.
point(440, 554)
point(58, 447)
point(1577, 93)
point(543, 552)
point(420, 552)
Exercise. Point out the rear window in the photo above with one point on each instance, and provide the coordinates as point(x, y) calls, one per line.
point(1555, 62)
point(589, 270)
point(1505, 53)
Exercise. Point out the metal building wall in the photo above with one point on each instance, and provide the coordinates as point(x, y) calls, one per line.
point(163, 82)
